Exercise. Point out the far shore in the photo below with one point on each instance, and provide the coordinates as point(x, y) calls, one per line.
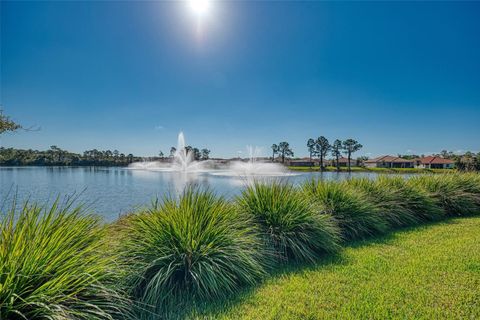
point(365, 169)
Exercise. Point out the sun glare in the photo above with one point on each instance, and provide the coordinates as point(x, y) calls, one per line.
point(199, 7)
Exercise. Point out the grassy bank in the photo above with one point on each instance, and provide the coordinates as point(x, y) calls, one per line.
point(199, 248)
point(427, 272)
point(365, 169)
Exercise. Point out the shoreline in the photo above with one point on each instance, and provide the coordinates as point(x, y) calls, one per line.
point(372, 170)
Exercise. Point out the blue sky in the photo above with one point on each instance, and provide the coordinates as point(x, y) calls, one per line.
point(398, 77)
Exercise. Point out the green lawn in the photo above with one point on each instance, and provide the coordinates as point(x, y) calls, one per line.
point(428, 272)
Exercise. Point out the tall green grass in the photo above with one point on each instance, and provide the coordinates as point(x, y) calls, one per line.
point(414, 199)
point(388, 201)
point(195, 248)
point(289, 222)
point(54, 264)
point(470, 183)
point(356, 216)
point(454, 194)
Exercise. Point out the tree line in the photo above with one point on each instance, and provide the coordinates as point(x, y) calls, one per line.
point(56, 156)
point(320, 148)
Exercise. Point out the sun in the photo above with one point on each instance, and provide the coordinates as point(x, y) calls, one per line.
point(199, 7)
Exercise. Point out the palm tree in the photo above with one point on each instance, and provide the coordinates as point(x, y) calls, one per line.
point(337, 151)
point(284, 150)
point(275, 150)
point(350, 146)
point(322, 147)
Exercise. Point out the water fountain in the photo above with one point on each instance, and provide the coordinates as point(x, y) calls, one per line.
point(183, 162)
point(254, 167)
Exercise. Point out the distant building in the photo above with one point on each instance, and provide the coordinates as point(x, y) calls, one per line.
point(342, 162)
point(432, 162)
point(389, 162)
point(304, 162)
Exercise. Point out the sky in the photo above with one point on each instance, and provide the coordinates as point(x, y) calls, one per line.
point(399, 77)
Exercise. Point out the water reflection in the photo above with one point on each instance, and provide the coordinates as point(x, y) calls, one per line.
point(113, 191)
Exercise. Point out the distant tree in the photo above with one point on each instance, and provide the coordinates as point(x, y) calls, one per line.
point(196, 153)
point(275, 150)
point(444, 154)
point(56, 153)
point(407, 156)
point(350, 146)
point(205, 154)
point(361, 160)
point(337, 152)
point(6, 124)
point(130, 158)
point(322, 146)
point(284, 150)
point(311, 147)
point(160, 154)
point(116, 153)
point(58, 157)
point(173, 150)
point(108, 154)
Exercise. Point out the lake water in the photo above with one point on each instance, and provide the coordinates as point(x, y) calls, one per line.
point(111, 192)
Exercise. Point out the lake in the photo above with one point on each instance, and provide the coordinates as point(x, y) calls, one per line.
point(112, 191)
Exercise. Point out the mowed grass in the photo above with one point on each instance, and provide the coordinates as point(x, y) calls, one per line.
point(427, 272)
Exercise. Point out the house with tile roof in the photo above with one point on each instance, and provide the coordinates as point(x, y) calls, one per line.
point(389, 162)
point(433, 162)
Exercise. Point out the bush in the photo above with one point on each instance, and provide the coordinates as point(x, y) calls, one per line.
point(389, 202)
point(355, 215)
point(470, 183)
point(53, 265)
point(288, 221)
point(449, 192)
point(195, 247)
point(414, 198)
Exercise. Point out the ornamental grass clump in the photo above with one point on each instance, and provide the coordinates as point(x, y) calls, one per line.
point(292, 228)
point(415, 199)
point(356, 216)
point(194, 248)
point(389, 202)
point(449, 193)
point(54, 265)
point(470, 183)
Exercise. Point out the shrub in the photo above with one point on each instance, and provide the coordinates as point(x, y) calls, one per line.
point(388, 201)
point(448, 192)
point(355, 215)
point(415, 199)
point(195, 247)
point(470, 183)
point(288, 221)
point(53, 265)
